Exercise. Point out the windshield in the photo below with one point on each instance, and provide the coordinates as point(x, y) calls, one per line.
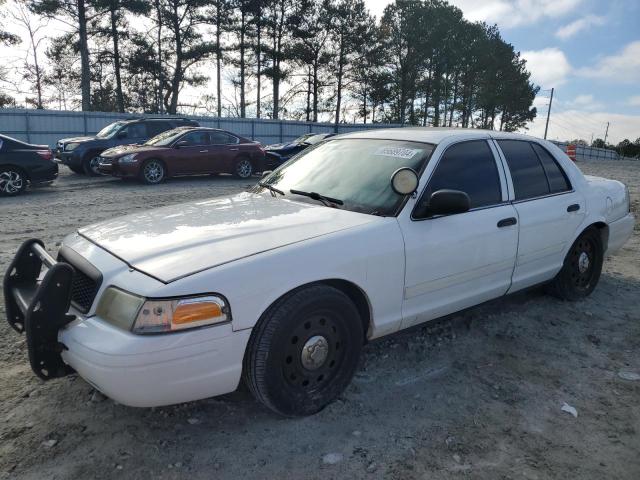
point(109, 130)
point(303, 138)
point(356, 171)
point(165, 138)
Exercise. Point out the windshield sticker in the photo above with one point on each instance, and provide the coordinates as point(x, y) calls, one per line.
point(397, 152)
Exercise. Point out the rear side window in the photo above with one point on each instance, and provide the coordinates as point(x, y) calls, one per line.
point(469, 167)
point(155, 128)
point(558, 181)
point(529, 178)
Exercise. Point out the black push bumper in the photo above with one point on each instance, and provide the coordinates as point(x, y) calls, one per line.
point(37, 305)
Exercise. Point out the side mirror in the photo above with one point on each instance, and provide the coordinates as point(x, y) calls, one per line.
point(404, 181)
point(181, 144)
point(122, 134)
point(448, 202)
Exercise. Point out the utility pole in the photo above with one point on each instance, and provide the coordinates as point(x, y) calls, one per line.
point(546, 128)
point(606, 134)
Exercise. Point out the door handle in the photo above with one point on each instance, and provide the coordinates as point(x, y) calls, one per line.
point(234, 149)
point(573, 208)
point(204, 151)
point(507, 222)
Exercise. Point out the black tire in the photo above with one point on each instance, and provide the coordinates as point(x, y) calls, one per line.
point(274, 367)
point(153, 172)
point(78, 170)
point(13, 181)
point(90, 165)
point(581, 268)
point(243, 168)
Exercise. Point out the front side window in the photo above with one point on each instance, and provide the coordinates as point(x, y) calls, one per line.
point(356, 171)
point(221, 138)
point(558, 181)
point(471, 168)
point(527, 173)
point(196, 138)
point(135, 130)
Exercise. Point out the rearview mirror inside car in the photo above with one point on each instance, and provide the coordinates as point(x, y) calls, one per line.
point(181, 144)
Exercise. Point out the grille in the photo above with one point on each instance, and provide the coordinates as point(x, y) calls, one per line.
point(83, 288)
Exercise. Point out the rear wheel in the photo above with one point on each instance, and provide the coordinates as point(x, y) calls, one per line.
point(152, 172)
point(78, 170)
point(581, 269)
point(244, 169)
point(304, 351)
point(13, 181)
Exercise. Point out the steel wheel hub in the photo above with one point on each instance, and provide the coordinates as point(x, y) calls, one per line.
point(314, 352)
point(583, 262)
point(10, 182)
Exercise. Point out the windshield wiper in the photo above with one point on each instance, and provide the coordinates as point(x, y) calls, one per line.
point(328, 201)
point(271, 188)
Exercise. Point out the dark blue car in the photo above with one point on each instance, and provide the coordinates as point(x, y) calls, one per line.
point(281, 152)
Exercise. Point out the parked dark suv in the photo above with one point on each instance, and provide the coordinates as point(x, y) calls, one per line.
point(81, 154)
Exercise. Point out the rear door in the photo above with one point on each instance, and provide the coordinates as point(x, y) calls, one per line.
point(457, 261)
point(156, 127)
point(224, 150)
point(549, 210)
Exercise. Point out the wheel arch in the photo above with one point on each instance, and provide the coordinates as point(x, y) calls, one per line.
point(23, 170)
point(602, 228)
point(350, 289)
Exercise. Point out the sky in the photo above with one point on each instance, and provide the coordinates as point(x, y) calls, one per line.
point(587, 50)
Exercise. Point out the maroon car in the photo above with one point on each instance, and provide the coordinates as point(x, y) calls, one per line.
point(184, 151)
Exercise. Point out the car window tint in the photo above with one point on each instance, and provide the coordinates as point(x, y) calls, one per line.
point(221, 138)
point(136, 130)
point(529, 179)
point(471, 168)
point(557, 179)
point(196, 138)
point(154, 128)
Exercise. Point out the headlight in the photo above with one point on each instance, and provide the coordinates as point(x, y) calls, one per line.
point(131, 158)
point(141, 315)
point(70, 146)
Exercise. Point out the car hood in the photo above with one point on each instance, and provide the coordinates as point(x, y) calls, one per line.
point(124, 149)
point(172, 242)
point(77, 139)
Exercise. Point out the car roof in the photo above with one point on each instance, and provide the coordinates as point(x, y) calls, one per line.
point(432, 135)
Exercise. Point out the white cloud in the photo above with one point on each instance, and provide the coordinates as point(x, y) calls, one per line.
point(577, 26)
point(586, 102)
point(549, 67)
point(572, 124)
point(623, 67)
point(513, 13)
point(634, 101)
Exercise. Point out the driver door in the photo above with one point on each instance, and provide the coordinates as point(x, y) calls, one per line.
point(191, 154)
point(456, 261)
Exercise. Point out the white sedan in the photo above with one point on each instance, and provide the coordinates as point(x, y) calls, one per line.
point(355, 238)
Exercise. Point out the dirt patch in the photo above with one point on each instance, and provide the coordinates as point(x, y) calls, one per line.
point(476, 395)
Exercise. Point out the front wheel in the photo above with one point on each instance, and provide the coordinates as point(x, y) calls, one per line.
point(244, 169)
point(12, 181)
point(152, 172)
point(581, 268)
point(90, 166)
point(304, 351)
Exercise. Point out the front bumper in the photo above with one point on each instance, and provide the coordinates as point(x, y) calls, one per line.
point(109, 166)
point(71, 159)
point(135, 370)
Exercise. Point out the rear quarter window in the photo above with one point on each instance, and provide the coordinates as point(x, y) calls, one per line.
point(558, 181)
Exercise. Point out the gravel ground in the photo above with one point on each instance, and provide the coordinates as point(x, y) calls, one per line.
point(476, 395)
